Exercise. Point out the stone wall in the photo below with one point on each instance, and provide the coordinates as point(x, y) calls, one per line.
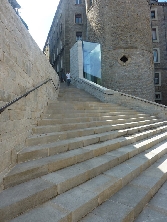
point(161, 23)
point(22, 67)
point(123, 30)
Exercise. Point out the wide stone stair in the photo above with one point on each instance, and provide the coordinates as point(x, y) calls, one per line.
point(89, 161)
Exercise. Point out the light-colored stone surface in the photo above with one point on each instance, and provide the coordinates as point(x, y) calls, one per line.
point(134, 196)
point(150, 214)
point(113, 211)
point(47, 212)
point(156, 210)
point(77, 201)
point(24, 197)
point(22, 67)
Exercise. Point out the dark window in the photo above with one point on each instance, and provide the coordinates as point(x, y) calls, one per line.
point(157, 96)
point(155, 55)
point(61, 28)
point(78, 18)
point(78, 36)
point(152, 14)
point(78, 2)
point(157, 79)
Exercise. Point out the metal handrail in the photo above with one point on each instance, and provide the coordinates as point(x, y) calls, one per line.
point(26, 94)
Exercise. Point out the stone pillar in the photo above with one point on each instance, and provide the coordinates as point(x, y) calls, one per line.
point(123, 28)
point(76, 60)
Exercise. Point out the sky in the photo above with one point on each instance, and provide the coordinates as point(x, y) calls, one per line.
point(38, 15)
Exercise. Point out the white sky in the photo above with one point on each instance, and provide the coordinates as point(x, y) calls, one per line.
point(38, 15)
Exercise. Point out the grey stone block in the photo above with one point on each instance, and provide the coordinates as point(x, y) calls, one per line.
point(151, 214)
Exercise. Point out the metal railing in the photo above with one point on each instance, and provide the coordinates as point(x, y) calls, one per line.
point(26, 94)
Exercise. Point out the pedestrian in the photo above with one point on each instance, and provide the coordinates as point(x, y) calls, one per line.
point(68, 78)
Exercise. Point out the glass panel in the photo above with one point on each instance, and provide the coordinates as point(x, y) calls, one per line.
point(92, 61)
point(156, 78)
point(155, 54)
point(154, 34)
point(78, 2)
point(152, 14)
point(78, 18)
point(78, 36)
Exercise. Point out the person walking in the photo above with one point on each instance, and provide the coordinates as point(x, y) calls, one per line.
point(68, 78)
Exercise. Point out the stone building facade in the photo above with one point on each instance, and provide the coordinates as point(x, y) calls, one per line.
point(69, 24)
point(123, 29)
point(159, 34)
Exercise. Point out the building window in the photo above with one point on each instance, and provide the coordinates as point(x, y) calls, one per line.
point(61, 63)
point(57, 68)
point(155, 36)
point(156, 55)
point(78, 18)
point(158, 96)
point(60, 44)
point(78, 36)
point(57, 51)
point(157, 79)
point(78, 2)
point(154, 14)
point(61, 27)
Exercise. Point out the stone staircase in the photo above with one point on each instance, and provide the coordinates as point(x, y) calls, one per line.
point(89, 161)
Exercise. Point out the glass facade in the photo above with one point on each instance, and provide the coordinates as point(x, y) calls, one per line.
point(92, 61)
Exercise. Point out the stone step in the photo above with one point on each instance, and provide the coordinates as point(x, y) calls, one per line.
point(87, 115)
point(78, 125)
point(58, 136)
point(72, 124)
point(30, 170)
point(89, 106)
point(103, 128)
point(55, 115)
point(132, 198)
point(67, 119)
point(72, 205)
point(44, 150)
point(35, 152)
point(88, 112)
point(156, 209)
point(70, 131)
point(79, 99)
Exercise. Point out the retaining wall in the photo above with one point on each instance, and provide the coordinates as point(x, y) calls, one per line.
point(22, 67)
